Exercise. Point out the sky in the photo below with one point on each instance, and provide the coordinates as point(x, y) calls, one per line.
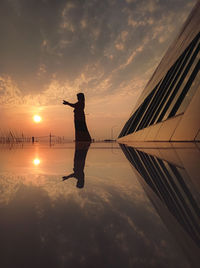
point(51, 50)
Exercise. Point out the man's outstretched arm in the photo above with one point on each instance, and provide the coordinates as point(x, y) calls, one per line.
point(68, 103)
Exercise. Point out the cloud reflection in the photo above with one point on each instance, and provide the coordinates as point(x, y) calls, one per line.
point(110, 223)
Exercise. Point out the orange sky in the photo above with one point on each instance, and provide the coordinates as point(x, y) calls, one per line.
point(106, 49)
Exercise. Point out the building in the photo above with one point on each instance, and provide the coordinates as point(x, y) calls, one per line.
point(168, 108)
point(170, 178)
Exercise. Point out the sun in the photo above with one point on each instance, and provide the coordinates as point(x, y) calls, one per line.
point(36, 161)
point(37, 118)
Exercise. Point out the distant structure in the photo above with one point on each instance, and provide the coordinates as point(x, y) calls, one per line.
point(169, 107)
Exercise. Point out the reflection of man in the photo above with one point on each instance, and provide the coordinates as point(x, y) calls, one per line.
point(80, 154)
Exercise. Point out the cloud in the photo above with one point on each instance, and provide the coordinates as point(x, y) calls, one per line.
point(9, 92)
point(54, 49)
point(66, 37)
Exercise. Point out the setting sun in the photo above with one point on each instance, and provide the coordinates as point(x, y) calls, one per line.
point(37, 118)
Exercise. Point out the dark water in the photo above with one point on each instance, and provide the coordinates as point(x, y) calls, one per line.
point(129, 212)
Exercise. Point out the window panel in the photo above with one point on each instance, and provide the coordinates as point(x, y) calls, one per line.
point(195, 85)
point(173, 97)
point(146, 111)
point(125, 128)
point(171, 83)
point(141, 112)
point(185, 90)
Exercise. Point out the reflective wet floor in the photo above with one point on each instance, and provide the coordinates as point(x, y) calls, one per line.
point(99, 205)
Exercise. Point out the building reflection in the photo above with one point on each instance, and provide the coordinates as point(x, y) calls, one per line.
point(81, 149)
point(173, 194)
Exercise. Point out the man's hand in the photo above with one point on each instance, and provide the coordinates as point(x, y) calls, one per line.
point(65, 102)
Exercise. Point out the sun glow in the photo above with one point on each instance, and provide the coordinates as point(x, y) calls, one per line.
point(37, 118)
point(36, 161)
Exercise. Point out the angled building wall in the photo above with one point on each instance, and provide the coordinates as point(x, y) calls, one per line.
point(169, 107)
point(173, 191)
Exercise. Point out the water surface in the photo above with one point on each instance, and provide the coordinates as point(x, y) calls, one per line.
point(113, 220)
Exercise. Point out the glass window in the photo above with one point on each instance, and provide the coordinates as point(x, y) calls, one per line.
point(190, 88)
point(180, 84)
point(195, 85)
point(170, 85)
point(141, 111)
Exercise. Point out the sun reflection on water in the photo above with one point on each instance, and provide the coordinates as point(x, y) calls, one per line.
point(36, 161)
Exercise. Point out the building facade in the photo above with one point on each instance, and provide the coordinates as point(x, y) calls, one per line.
point(169, 107)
